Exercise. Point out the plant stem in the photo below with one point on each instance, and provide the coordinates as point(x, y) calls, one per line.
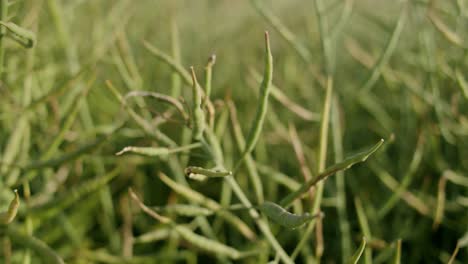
point(3, 17)
point(262, 225)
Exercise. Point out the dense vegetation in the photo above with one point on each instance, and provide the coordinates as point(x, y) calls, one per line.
point(120, 152)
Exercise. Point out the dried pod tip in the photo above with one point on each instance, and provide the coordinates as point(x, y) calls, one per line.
point(211, 60)
point(122, 151)
point(267, 40)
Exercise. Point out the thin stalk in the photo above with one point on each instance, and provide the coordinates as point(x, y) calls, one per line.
point(176, 83)
point(397, 258)
point(321, 165)
point(363, 223)
point(357, 255)
point(407, 179)
point(391, 45)
point(3, 17)
point(261, 223)
point(340, 183)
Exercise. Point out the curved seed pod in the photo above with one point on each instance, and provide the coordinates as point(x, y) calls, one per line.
point(161, 97)
point(284, 218)
point(344, 165)
point(357, 255)
point(23, 36)
point(208, 77)
point(212, 173)
point(8, 216)
point(177, 67)
point(265, 88)
point(197, 111)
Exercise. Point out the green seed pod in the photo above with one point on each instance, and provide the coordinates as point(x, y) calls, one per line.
point(147, 151)
point(284, 218)
point(208, 77)
point(198, 116)
point(207, 244)
point(357, 255)
point(160, 151)
point(262, 107)
point(8, 216)
point(341, 166)
point(265, 88)
point(23, 36)
point(160, 97)
point(211, 173)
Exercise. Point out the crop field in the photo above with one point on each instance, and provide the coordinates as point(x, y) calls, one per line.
point(249, 131)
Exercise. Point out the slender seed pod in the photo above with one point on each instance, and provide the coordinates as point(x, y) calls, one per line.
point(160, 97)
point(8, 216)
point(341, 166)
point(153, 236)
point(147, 151)
point(357, 255)
point(21, 35)
point(206, 99)
point(208, 77)
point(265, 88)
point(43, 251)
point(264, 95)
point(159, 151)
point(212, 173)
point(197, 110)
point(284, 218)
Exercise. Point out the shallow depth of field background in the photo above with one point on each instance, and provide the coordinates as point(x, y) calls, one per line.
point(418, 103)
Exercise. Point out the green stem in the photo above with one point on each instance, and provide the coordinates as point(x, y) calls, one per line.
point(262, 225)
point(340, 183)
point(322, 162)
point(3, 17)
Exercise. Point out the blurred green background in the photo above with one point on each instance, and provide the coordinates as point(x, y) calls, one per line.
point(399, 72)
